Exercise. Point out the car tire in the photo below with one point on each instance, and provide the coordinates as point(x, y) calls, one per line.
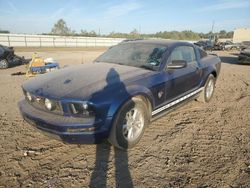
point(208, 91)
point(127, 130)
point(4, 64)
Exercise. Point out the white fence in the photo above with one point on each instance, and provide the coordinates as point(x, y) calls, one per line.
point(23, 40)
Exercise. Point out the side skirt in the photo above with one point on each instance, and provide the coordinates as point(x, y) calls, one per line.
point(174, 105)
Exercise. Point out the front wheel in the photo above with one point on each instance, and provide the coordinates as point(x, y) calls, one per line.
point(4, 64)
point(129, 124)
point(208, 91)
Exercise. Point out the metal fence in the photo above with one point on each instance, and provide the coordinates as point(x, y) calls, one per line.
point(22, 40)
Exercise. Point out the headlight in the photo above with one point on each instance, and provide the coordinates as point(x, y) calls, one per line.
point(81, 108)
point(49, 104)
point(29, 96)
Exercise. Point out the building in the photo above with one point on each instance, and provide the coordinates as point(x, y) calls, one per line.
point(241, 35)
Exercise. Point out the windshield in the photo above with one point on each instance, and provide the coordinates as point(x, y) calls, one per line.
point(147, 56)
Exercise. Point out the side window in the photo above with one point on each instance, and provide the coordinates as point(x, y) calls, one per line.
point(185, 53)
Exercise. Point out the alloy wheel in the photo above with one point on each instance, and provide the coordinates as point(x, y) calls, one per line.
point(133, 124)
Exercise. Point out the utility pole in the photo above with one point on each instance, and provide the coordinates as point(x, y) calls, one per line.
point(212, 30)
point(139, 31)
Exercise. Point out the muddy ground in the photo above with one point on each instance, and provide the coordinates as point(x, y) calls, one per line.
point(199, 145)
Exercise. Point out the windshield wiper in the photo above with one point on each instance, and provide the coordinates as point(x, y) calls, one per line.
point(148, 67)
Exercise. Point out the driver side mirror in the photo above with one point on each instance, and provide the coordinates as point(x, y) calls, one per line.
point(177, 64)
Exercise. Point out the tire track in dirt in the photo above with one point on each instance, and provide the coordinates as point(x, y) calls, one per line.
point(192, 139)
point(50, 155)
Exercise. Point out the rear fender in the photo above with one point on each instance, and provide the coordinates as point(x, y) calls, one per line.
point(207, 72)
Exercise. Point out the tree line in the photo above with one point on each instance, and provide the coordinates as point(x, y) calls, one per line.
point(61, 28)
point(4, 31)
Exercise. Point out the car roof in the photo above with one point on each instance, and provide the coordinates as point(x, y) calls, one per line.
point(164, 42)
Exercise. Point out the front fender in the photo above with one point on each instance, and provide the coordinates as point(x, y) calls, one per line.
point(131, 91)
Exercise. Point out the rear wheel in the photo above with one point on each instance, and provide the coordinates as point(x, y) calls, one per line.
point(129, 124)
point(4, 64)
point(208, 91)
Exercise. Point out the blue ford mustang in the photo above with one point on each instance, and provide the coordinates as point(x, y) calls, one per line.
point(120, 93)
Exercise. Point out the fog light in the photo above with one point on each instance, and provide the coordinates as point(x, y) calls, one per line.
point(49, 104)
point(77, 130)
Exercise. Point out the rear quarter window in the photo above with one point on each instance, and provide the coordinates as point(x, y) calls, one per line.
point(185, 53)
point(202, 53)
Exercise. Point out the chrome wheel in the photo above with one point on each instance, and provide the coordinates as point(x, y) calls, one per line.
point(3, 64)
point(210, 89)
point(133, 124)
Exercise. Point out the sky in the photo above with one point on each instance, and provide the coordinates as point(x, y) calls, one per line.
point(147, 16)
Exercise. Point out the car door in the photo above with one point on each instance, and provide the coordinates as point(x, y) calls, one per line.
point(184, 80)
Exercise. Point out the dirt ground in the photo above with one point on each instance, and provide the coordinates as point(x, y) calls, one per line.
point(199, 145)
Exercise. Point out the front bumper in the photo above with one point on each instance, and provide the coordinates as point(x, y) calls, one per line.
point(68, 129)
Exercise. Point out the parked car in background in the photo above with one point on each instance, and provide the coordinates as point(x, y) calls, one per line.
point(244, 56)
point(218, 46)
point(244, 45)
point(120, 93)
point(9, 59)
point(229, 45)
point(205, 44)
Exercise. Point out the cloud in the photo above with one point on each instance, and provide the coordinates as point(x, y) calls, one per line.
point(122, 9)
point(234, 23)
point(224, 5)
point(58, 13)
point(227, 24)
point(9, 9)
point(12, 6)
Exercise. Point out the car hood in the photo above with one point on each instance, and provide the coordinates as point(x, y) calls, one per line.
point(82, 81)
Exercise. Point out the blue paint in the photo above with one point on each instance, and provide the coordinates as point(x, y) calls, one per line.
point(106, 87)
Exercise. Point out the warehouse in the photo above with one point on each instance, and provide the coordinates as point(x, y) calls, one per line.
point(241, 35)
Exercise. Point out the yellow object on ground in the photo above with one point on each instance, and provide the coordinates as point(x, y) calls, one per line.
point(36, 61)
point(39, 65)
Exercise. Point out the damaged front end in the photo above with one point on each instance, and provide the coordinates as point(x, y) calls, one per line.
point(244, 56)
point(8, 58)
